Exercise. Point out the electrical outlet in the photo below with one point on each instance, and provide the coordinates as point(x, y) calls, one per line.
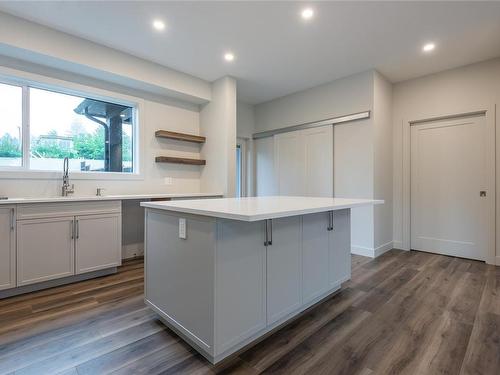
point(168, 180)
point(182, 228)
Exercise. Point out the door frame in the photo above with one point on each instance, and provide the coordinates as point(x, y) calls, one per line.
point(490, 116)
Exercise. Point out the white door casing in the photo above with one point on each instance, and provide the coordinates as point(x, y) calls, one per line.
point(449, 168)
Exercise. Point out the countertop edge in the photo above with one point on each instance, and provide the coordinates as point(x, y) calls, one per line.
point(120, 197)
point(259, 217)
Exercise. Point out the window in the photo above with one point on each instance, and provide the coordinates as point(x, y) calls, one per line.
point(95, 135)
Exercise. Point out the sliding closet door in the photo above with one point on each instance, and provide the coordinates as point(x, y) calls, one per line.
point(303, 162)
point(289, 163)
point(318, 143)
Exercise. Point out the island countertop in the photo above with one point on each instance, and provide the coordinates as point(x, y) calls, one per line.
point(260, 208)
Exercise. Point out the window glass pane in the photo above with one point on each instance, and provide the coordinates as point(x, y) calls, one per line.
point(11, 109)
point(95, 135)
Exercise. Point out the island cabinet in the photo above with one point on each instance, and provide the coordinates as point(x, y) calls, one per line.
point(221, 283)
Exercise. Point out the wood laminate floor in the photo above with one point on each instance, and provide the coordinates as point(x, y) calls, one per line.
point(402, 313)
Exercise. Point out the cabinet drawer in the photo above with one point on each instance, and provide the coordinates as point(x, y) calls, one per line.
point(59, 209)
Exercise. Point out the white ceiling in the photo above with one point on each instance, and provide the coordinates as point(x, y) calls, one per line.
point(277, 53)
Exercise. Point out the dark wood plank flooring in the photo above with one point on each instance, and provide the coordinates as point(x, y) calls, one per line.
point(402, 313)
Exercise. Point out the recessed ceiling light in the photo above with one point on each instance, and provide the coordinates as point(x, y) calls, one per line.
point(307, 13)
point(159, 25)
point(229, 56)
point(428, 47)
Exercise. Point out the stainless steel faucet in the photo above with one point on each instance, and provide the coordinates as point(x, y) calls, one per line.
point(66, 189)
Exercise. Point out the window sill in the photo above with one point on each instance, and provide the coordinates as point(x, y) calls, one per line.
point(17, 174)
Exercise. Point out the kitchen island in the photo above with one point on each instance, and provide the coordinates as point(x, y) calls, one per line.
point(224, 272)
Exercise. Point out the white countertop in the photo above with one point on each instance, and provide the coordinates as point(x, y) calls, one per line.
point(106, 198)
point(259, 208)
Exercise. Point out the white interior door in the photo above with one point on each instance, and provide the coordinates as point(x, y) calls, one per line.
point(449, 215)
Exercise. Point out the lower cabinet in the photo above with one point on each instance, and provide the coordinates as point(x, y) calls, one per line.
point(53, 241)
point(7, 247)
point(316, 251)
point(98, 242)
point(45, 249)
point(340, 247)
point(284, 268)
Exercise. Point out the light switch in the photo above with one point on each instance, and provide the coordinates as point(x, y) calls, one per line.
point(182, 228)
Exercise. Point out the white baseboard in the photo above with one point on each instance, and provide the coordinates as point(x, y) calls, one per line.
point(361, 250)
point(132, 250)
point(370, 251)
point(398, 245)
point(383, 248)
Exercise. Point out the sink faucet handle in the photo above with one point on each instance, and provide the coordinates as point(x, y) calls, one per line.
point(99, 192)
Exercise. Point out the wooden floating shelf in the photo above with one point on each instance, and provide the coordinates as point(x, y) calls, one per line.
point(180, 136)
point(171, 159)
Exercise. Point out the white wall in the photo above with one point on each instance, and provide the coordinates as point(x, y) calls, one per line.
point(343, 96)
point(383, 167)
point(245, 120)
point(450, 92)
point(218, 124)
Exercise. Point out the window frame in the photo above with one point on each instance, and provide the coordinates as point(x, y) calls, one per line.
point(68, 88)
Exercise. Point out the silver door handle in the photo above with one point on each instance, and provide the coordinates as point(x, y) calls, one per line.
point(330, 221)
point(77, 229)
point(12, 217)
point(267, 235)
point(72, 229)
point(270, 242)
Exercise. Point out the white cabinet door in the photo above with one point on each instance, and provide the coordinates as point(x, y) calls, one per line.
point(284, 268)
point(45, 249)
point(289, 163)
point(7, 247)
point(318, 143)
point(240, 282)
point(98, 242)
point(315, 255)
point(340, 247)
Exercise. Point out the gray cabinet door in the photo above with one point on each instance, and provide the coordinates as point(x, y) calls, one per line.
point(7, 248)
point(240, 282)
point(45, 249)
point(284, 268)
point(98, 242)
point(315, 255)
point(340, 247)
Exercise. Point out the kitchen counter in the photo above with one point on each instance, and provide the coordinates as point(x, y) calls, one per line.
point(222, 273)
point(107, 198)
point(260, 208)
